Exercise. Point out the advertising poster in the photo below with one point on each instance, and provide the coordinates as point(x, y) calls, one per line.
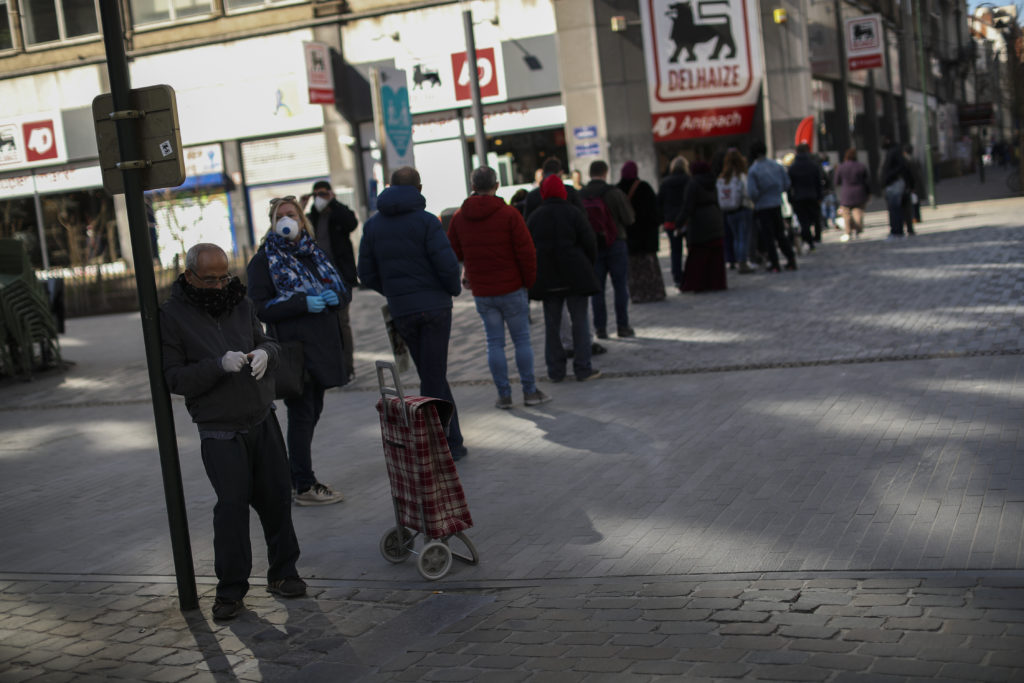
point(704, 66)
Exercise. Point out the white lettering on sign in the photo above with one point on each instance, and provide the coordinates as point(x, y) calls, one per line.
point(702, 78)
point(40, 140)
point(484, 69)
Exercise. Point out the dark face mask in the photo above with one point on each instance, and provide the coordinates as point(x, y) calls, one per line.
point(214, 301)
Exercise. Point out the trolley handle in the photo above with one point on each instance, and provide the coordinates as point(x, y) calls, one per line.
point(394, 388)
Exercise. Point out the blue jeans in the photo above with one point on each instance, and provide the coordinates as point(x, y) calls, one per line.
point(554, 353)
point(427, 334)
point(675, 257)
point(612, 261)
point(894, 202)
point(739, 222)
point(511, 309)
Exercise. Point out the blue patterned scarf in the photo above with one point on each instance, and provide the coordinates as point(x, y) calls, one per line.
point(291, 276)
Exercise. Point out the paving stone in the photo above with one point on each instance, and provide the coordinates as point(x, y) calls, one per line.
point(906, 667)
point(719, 670)
point(877, 599)
point(777, 657)
point(747, 628)
point(737, 615)
point(818, 645)
point(913, 624)
point(662, 668)
point(955, 654)
point(601, 665)
point(789, 672)
point(972, 672)
point(808, 631)
point(839, 661)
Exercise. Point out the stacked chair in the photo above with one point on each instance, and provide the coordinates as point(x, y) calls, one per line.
point(28, 331)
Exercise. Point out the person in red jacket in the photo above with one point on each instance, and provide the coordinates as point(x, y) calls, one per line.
point(491, 240)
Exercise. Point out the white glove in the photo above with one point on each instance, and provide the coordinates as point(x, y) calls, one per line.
point(258, 363)
point(232, 361)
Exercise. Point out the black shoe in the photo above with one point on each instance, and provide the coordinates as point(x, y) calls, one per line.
point(596, 349)
point(626, 331)
point(556, 380)
point(224, 609)
point(593, 374)
point(459, 453)
point(601, 334)
point(790, 266)
point(292, 587)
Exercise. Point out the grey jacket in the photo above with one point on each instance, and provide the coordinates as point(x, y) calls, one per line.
point(193, 344)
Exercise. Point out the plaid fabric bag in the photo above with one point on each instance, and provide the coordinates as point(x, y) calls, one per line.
point(420, 466)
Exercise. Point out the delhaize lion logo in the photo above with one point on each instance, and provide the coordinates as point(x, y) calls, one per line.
point(686, 33)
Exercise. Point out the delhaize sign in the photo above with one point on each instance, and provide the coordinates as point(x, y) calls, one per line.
point(703, 66)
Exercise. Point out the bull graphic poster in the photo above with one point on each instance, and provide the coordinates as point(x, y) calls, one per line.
point(704, 66)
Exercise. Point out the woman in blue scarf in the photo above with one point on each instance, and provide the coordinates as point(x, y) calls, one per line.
point(297, 292)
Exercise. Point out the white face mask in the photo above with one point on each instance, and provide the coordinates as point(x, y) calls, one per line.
point(288, 228)
point(321, 203)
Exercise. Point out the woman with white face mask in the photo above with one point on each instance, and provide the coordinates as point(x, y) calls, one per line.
point(297, 292)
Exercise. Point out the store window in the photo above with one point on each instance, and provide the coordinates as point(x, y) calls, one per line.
point(253, 4)
point(6, 39)
point(47, 21)
point(18, 221)
point(152, 11)
point(81, 228)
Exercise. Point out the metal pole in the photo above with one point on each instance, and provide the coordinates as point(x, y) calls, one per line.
point(467, 161)
point(120, 89)
point(842, 136)
point(474, 83)
point(924, 97)
point(43, 248)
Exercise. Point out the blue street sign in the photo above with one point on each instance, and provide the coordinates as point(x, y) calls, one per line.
point(584, 132)
point(590, 149)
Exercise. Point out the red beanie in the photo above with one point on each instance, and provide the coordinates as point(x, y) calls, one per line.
point(553, 187)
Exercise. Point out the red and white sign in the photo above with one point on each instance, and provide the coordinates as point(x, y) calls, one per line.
point(319, 74)
point(703, 62)
point(487, 71)
point(864, 47)
point(35, 140)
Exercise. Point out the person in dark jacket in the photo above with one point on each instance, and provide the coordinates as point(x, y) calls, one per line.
point(912, 203)
point(406, 256)
point(297, 292)
point(491, 239)
point(806, 190)
point(551, 167)
point(670, 197)
point(851, 179)
point(333, 223)
point(216, 355)
point(566, 251)
point(896, 180)
point(642, 238)
point(766, 181)
point(705, 230)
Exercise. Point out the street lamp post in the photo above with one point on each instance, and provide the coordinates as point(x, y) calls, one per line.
point(930, 172)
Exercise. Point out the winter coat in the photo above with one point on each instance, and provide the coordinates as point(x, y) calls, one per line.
point(290, 320)
point(700, 211)
point(670, 195)
point(851, 178)
point(807, 180)
point(341, 222)
point(642, 236)
point(533, 200)
point(618, 206)
point(566, 250)
point(405, 255)
point(766, 181)
point(490, 238)
point(193, 344)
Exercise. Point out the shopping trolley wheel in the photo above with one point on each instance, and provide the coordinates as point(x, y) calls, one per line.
point(394, 550)
point(435, 560)
point(470, 559)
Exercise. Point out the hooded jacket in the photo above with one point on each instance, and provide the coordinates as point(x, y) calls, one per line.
point(193, 344)
point(491, 239)
point(405, 255)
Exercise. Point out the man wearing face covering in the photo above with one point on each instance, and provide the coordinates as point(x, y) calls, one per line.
point(333, 223)
point(216, 355)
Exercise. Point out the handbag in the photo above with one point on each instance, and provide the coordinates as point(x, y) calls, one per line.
point(290, 374)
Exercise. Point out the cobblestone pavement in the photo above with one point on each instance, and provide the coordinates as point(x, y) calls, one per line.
point(813, 476)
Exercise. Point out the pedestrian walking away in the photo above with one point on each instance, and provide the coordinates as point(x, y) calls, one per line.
point(670, 198)
point(490, 238)
point(642, 237)
point(851, 178)
point(736, 210)
point(405, 255)
point(766, 181)
point(912, 199)
point(333, 224)
point(217, 356)
point(897, 181)
point(566, 251)
point(807, 189)
point(297, 292)
point(705, 259)
point(609, 212)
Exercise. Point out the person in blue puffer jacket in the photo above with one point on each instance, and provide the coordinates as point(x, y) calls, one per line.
point(406, 256)
point(766, 181)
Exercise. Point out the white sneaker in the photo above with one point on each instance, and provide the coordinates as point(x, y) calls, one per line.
point(844, 238)
point(318, 494)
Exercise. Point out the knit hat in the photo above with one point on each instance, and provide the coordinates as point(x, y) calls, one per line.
point(552, 186)
point(629, 171)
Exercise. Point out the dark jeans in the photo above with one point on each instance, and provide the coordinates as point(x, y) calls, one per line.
point(250, 469)
point(303, 414)
point(675, 257)
point(426, 334)
point(894, 202)
point(771, 229)
point(612, 261)
point(554, 354)
point(808, 212)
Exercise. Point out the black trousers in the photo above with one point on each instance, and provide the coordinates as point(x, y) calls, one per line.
point(250, 469)
point(808, 212)
point(771, 229)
